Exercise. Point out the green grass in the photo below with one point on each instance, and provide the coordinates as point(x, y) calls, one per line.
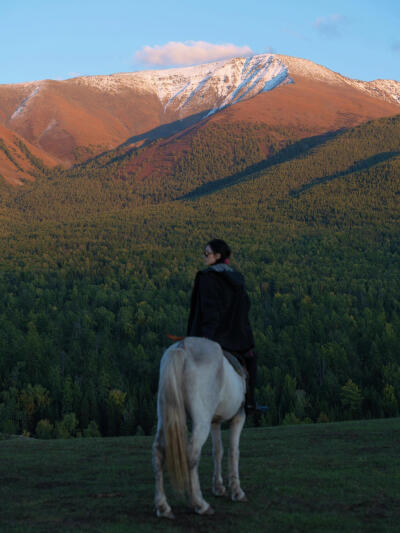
point(325, 477)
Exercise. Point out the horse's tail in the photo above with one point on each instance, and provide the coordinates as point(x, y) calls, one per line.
point(174, 418)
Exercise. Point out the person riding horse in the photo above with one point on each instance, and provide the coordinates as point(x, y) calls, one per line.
point(219, 311)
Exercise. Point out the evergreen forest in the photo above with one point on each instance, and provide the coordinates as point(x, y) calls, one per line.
point(97, 267)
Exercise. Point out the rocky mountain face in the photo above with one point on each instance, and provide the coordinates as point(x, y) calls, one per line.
point(71, 121)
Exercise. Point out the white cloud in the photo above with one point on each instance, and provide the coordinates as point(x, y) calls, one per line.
point(330, 26)
point(189, 53)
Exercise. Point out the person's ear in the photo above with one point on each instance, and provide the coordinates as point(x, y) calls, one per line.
point(218, 256)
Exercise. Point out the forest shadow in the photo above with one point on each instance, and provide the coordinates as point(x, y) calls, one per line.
point(288, 153)
point(160, 132)
point(363, 164)
point(167, 130)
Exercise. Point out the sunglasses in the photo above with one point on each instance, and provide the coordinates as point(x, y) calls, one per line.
point(206, 254)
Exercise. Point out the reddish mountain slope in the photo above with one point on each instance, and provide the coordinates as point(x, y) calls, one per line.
point(292, 112)
point(314, 106)
point(62, 117)
point(291, 98)
point(19, 159)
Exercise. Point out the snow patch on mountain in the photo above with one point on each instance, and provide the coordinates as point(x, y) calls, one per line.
point(173, 97)
point(309, 69)
point(50, 126)
point(23, 105)
point(195, 90)
point(258, 74)
point(388, 90)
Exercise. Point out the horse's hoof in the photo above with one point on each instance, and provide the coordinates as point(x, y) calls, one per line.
point(219, 491)
point(207, 511)
point(165, 514)
point(240, 497)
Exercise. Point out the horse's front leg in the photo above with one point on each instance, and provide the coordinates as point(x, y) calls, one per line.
point(218, 452)
point(199, 436)
point(237, 424)
point(163, 510)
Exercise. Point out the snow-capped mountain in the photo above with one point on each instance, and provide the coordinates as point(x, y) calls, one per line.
point(75, 119)
point(227, 82)
point(213, 85)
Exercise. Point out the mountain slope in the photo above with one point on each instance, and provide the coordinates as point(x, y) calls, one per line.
point(249, 132)
point(388, 90)
point(95, 190)
point(20, 160)
point(318, 160)
point(74, 120)
point(98, 112)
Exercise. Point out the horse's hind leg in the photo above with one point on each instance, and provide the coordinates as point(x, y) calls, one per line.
point(198, 438)
point(163, 509)
point(218, 452)
point(234, 482)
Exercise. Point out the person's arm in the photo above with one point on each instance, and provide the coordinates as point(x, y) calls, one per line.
point(209, 305)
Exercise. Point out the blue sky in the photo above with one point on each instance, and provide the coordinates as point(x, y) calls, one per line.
point(59, 39)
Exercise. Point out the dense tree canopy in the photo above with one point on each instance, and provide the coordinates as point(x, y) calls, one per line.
point(96, 270)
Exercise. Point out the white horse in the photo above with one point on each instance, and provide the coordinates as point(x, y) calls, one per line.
point(196, 380)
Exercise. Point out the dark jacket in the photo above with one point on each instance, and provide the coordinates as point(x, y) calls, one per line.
point(219, 308)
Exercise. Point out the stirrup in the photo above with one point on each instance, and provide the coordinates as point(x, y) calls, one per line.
point(254, 407)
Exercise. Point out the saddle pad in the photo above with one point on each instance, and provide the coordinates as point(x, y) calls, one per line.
point(235, 363)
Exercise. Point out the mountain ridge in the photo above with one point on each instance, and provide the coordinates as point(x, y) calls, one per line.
point(75, 120)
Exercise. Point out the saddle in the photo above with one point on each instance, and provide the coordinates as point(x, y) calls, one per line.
point(237, 365)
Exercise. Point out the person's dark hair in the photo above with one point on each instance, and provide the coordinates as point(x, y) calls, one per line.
point(218, 246)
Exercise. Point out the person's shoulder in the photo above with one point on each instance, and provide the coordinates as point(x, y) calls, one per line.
point(207, 275)
point(205, 271)
point(211, 272)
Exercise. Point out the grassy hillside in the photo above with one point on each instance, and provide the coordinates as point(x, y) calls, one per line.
point(326, 477)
